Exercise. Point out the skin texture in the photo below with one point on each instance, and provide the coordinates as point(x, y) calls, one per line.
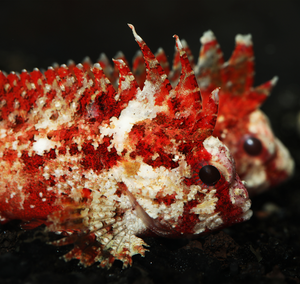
point(105, 167)
point(239, 117)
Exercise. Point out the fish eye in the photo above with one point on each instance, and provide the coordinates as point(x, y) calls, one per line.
point(252, 146)
point(209, 175)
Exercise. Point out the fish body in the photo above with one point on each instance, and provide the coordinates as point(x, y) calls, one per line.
point(105, 167)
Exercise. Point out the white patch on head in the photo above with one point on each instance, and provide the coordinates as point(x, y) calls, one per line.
point(193, 190)
point(212, 145)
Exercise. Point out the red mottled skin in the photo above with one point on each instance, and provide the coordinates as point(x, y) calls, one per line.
point(105, 167)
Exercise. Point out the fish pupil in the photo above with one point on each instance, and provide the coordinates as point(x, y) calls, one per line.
point(252, 146)
point(209, 175)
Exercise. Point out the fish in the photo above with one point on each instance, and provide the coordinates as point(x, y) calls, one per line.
point(104, 168)
point(262, 160)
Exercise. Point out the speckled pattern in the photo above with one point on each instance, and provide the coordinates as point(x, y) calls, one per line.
point(263, 250)
point(104, 167)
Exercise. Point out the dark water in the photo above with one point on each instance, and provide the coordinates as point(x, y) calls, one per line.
point(264, 250)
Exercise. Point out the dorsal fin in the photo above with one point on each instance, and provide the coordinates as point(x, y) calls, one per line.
point(188, 52)
point(176, 67)
point(163, 60)
point(19, 95)
point(139, 68)
point(210, 62)
point(258, 95)
point(106, 66)
point(188, 98)
point(238, 97)
point(239, 70)
point(115, 75)
point(128, 85)
point(87, 63)
point(69, 90)
point(155, 74)
point(85, 92)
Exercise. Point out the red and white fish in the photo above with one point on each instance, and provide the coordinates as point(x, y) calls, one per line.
point(262, 161)
point(106, 167)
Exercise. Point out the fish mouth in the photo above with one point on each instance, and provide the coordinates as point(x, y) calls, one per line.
point(245, 205)
point(246, 215)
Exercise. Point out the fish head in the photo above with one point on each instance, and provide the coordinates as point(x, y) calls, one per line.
point(180, 179)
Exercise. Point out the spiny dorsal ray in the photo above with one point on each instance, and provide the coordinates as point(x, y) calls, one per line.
point(235, 77)
point(155, 75)
point(187, 94)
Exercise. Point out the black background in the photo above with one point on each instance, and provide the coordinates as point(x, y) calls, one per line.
point(265, 249)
